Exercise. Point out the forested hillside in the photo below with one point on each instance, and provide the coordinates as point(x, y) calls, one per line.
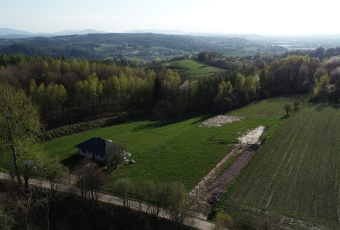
point(140, 47)
point(81, 89)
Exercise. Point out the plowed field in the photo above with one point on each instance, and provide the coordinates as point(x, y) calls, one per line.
point(297, 171)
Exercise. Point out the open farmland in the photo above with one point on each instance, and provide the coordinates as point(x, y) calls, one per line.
point(193, 68)
point(178, 151)
point(163, 152)
point(296, 173)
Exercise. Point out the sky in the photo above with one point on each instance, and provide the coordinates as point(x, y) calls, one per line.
point(191, 16)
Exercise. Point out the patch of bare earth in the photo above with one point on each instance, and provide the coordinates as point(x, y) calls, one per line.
point(219, 120)
point(212, 187)
point(252, 137)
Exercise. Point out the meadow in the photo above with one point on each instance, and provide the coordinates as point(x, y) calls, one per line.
point(172, 151)
point(296, 173)
point(193, 68)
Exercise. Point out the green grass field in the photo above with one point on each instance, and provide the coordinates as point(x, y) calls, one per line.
point(103, 47)
point(178, 151)
point(297, 171)
point(193, 68)
point(269, 108)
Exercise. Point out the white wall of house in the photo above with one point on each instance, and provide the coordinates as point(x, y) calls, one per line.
point(84, 153)
point(97, 157)
point(90, 155)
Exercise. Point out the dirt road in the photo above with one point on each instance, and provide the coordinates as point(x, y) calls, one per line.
point(196, 221)
point(215, 190)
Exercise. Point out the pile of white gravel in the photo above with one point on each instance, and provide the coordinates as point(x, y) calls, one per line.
point(253, 136)
point(219, 120)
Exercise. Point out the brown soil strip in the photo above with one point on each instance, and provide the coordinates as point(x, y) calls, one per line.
point(217, 188)
point(212, 187)
point(199, 189)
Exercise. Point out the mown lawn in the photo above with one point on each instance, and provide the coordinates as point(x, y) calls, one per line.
point(163, 152)
point(297, 171)
point(193, 68)
point(173, 151)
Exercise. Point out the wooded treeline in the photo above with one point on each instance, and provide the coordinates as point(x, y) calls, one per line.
point(73, 90)
point(142, 46)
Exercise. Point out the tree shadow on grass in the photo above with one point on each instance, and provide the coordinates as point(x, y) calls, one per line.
point(154, 125)
point(72, 161)
point(336, 106)
point(284, 117)
point(320, 106)
point(160, 124)
point(279, 98)
point(202, 119)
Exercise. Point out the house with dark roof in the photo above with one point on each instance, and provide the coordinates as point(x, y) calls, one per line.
point(94, 148)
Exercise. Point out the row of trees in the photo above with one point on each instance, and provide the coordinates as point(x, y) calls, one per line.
point(170, 198)
point(79, 89)
point(40, 208)
point(163, 91)
point(218, 60)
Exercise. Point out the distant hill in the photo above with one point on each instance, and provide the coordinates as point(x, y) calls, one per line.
point(136, 46)
point(174, 32)
point(141, 47)
point(77, 32)
point(205, 34)
point(9, 33)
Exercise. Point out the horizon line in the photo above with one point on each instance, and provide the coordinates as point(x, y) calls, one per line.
point(171, 32)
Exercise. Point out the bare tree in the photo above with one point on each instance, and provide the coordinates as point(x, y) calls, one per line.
point(287, 108)
point(179, 204)
point(114, 155)
point(89, 179)
point(123, 189)
point(55, 173)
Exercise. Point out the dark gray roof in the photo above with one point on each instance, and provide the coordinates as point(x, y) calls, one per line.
point(94, 145)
